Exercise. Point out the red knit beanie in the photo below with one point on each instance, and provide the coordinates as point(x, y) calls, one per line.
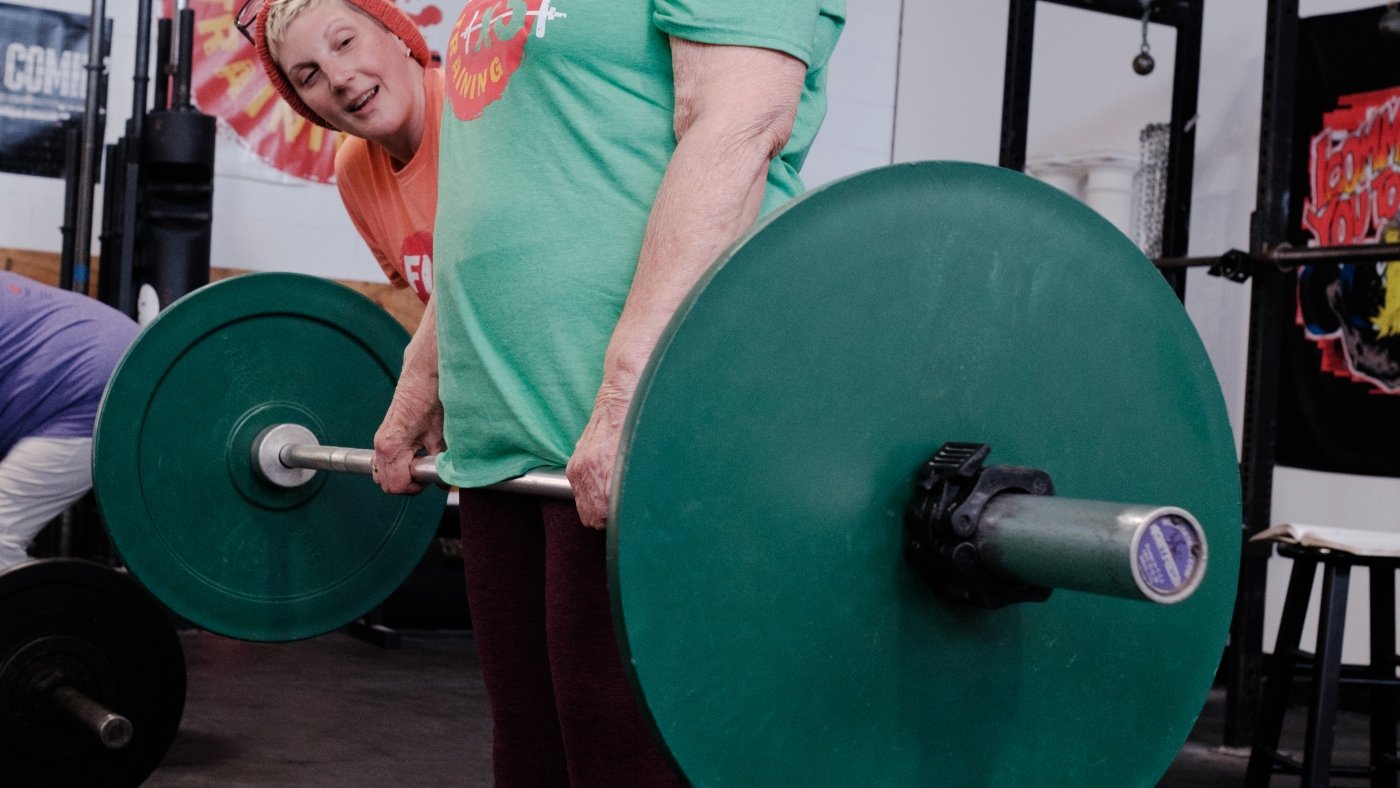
point(385, 11)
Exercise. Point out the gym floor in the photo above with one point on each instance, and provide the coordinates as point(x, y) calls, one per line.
point(336, 711)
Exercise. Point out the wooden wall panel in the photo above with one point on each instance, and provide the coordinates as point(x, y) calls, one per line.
point(39, 266)
point(43, 267)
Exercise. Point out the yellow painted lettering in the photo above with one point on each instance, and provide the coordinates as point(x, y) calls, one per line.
point(1387, 320)
point(287, 120)
point(219, 33)
point(497, 69)
point(237, 74)
point(259, 101)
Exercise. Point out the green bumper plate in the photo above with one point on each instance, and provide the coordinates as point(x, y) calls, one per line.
point(172, 470)
point(773, 630)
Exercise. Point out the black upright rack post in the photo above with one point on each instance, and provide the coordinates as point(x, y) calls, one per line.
point(1016, 92)
point(1181, 145)
point(72, 161)
point(122, 219)
point(94, 126)
point(1269, 307)
point(109, 255)
point(163, 64)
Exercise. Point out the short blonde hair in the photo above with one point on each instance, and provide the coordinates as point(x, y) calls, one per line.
point(271, 28)
point(283, 12)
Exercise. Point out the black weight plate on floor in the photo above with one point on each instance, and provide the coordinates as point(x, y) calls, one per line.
point(108, 638)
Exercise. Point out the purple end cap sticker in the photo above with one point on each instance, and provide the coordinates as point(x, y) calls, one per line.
point(1166, 554)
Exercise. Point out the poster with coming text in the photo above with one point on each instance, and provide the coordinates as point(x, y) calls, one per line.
point(43, 87)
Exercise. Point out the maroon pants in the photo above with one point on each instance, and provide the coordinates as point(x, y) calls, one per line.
point(560, 704)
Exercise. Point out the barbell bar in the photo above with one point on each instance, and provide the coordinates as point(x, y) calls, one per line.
point(1286, 256)
point(1154, 553)
point(111, 729)
point(282, 453)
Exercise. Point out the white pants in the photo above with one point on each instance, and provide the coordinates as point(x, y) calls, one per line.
point(39, 478)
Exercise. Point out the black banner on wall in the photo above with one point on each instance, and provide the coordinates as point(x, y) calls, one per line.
point(43, 85)
point(1340, 379)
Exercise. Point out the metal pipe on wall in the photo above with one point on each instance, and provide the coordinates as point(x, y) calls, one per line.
point(92, 144)
point(183, 66)
point(162, 95)
point(72, 157)
point(141, 73)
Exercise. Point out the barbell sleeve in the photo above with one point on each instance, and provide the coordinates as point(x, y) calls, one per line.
point(1156, 553)
point(995, 535)
point(112, 729)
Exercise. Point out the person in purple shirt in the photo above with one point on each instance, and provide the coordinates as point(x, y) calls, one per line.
point(57, 351)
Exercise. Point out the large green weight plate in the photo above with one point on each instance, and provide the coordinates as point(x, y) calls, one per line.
point(172, 470)
point(774, 632)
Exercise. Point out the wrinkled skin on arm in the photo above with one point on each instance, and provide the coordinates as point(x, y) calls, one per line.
point(413, 423)
point(735, 107)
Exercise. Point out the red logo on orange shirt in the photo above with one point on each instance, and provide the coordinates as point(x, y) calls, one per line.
point(486, 47)
point(418, 263)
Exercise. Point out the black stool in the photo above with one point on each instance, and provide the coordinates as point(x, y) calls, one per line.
point(1325, 668)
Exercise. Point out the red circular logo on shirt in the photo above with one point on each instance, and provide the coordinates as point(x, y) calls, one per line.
point(486, 47)
point(418, 263)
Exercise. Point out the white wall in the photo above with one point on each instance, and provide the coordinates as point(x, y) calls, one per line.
point(266, 222)
point(1085, 96)
point(859, 129)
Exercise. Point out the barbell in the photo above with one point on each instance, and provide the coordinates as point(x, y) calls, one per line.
point(816, 576)
point(92, 677)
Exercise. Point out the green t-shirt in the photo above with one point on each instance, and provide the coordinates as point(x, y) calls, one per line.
point(557, 131)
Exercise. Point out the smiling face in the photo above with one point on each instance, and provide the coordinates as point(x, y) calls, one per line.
point(353, 72)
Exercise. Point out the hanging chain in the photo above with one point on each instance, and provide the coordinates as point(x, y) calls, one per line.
point(1144, 63)
point(1146, 16)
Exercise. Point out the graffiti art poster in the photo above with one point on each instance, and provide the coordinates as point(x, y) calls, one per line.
point(1340, 375)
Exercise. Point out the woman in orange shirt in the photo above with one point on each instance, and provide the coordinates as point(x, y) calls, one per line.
point(362, 67)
